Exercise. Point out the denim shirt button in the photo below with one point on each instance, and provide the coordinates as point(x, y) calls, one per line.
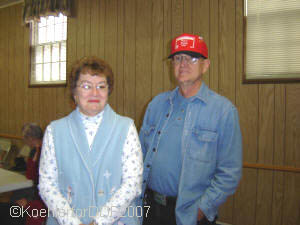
point(148, 166)
point(154, 149)
point(158, 132)
point(167, 115)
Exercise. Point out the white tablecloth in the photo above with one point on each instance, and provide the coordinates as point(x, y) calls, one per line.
point(10, 181)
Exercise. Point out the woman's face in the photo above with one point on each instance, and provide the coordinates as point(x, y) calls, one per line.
point(91, 94)
point(32, 142)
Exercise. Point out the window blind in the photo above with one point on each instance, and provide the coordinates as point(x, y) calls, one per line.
point(272, 39)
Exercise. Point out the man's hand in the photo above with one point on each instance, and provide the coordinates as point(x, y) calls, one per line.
point(200, 215)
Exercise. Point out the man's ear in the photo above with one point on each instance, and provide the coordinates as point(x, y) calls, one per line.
point(206, 65)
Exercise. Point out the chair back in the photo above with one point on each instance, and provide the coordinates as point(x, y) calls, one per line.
point(5, 146)
point(24, 151)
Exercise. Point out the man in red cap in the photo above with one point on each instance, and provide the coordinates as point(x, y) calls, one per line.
point(191, 142)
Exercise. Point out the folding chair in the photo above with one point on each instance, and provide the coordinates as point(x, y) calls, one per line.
point(24, 151)
point(5, 147)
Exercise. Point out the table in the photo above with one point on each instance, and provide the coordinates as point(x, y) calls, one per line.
point(10, 181)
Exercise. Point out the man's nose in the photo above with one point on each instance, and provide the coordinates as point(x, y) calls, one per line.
point(183, 61)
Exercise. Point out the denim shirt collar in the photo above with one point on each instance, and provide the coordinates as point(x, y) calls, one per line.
point(202, 94)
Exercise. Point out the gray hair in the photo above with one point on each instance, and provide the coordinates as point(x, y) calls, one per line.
point(32, 130)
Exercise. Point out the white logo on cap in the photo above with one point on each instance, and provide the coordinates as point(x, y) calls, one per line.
point(184, 41)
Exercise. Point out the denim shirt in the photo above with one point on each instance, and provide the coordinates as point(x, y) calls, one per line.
point(211, 148)
point(166, 166)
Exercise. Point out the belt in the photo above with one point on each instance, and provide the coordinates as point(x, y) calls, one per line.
point(161, 199)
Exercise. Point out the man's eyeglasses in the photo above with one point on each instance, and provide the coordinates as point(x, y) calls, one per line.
point(177, 59)
point(89, 86)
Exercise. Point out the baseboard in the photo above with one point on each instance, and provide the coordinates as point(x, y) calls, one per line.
point(222, 223)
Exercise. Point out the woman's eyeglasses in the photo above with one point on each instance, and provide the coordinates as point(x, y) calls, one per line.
point(88, 86)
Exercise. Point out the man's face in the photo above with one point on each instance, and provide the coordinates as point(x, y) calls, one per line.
point(188, 71)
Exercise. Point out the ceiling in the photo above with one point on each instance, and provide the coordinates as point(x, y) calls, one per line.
point(6, 3)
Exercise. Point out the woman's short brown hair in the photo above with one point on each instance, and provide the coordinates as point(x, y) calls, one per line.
point(93, 66)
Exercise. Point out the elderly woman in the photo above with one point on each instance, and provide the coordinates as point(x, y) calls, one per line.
point(33, 136)
point(27, 198)
point(91, 161)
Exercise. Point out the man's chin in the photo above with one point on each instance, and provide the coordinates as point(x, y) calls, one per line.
point(184, 82)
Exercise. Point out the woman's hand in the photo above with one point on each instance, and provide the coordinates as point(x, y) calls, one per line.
point(36, 154)
point(22, 202)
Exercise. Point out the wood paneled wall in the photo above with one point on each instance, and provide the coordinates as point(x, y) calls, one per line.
point(134, 37)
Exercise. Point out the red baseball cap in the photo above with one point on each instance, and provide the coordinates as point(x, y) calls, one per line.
point(189, 44)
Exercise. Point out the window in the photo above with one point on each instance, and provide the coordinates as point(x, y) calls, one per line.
point(272, 40)
point(48, 51)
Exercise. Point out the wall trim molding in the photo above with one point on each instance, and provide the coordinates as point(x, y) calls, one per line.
point(245, 164)
point(271, 167)
point(7, 3)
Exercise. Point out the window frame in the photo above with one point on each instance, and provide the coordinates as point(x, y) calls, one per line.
point(262, 79)
point(33, 84)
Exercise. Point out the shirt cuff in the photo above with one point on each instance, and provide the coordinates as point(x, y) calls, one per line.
point(208, 210)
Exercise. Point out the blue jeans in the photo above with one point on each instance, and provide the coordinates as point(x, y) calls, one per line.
point(164, 214)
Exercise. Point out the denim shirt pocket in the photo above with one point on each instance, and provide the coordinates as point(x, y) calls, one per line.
point(148, 130)
point(148, 135)
point(203, 145)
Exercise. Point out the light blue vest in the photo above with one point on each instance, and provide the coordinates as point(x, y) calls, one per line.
point(88, 179)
